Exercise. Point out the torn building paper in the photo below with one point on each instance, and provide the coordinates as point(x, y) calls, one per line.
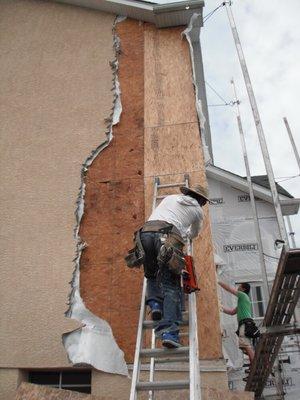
point(94, 343)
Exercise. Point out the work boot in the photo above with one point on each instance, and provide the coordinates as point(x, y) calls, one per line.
point(170, 340)
point(156, 310)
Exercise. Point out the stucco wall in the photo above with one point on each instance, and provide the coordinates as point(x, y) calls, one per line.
point(10, 379)
point(35, 392)
point(55, 94)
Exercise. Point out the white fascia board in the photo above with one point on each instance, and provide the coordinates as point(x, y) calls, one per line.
point(289, 206)
point(162, 15)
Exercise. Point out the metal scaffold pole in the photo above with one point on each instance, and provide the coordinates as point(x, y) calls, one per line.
point(252, 200)
point(292, 141)
point(259, 128)
point(256, 225)
point(291, 231)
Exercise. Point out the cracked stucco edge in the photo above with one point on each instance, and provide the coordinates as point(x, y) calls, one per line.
point(94, 343)
point(200, 113)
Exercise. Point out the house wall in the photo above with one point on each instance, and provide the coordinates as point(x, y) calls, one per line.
point(157, 130)
point(55, 94)
point(57, 89)
point(232, 222)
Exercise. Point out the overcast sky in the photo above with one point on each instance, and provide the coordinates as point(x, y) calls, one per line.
point(270, 34)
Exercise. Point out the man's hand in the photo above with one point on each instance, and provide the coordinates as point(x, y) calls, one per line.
point(229, 311)
point(228, 288)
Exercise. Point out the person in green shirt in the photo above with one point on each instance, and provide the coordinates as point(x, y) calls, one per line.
point(243, 310)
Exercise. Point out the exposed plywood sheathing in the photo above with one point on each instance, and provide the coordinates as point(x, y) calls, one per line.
point(172, 148)
point(56, 88)
point(114, 203)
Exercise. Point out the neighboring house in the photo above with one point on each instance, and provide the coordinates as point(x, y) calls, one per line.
point(237, 255)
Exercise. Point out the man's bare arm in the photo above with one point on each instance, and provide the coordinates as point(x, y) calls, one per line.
point(228, 288)
point(229, 311)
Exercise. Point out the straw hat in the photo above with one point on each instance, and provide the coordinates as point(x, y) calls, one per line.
point(197, 191)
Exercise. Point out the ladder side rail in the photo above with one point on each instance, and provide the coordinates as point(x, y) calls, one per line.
point(269, 346)
point(195, 388)
point(283, 297)
point(258, 384)
point(138, 346)
point(152, 364)
point(275, 289)
point(286, 316)
point(156, 183)
point(153, 339)
point(293, 303)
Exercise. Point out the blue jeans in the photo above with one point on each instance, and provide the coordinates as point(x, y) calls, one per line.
point(163, 285)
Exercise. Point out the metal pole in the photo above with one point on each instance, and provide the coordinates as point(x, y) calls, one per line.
point(258, 124)
point(292, 141)
point(253, 203)
point(259, 241)
point(291, 231)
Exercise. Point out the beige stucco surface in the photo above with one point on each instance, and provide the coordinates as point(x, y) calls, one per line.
point(213, 384)
point(55, 94)
point(10, 379)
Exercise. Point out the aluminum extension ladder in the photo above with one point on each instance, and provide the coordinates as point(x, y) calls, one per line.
point(158, 355)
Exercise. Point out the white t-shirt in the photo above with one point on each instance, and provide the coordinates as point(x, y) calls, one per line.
point(184, 212)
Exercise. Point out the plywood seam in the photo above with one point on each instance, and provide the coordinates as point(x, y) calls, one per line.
point(175, 173)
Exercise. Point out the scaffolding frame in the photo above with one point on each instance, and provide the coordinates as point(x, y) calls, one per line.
point(283, 300)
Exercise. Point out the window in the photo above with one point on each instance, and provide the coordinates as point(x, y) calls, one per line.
point(256, 296)
point(79, 381)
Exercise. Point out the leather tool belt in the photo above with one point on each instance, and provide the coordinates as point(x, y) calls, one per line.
point(136, 256)
point(171, 252)
point(163, 227)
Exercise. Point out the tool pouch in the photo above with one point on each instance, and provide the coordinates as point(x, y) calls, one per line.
point(251, 330)
point(171, 255)
point(136, 256)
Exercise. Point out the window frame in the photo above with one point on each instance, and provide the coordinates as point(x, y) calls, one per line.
point(60, 384)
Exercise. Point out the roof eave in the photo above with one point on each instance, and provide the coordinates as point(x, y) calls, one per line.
point(289, 206)
point(162, 15)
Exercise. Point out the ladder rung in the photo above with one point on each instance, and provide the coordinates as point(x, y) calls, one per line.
point(171, 360)
point(164, 352)
point(152, 324)
point(168, 185)
point(163, 385)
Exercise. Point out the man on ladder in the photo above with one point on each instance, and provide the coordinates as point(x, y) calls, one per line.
point(174, 221)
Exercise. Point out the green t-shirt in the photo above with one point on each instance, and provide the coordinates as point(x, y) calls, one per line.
point(244, 307)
